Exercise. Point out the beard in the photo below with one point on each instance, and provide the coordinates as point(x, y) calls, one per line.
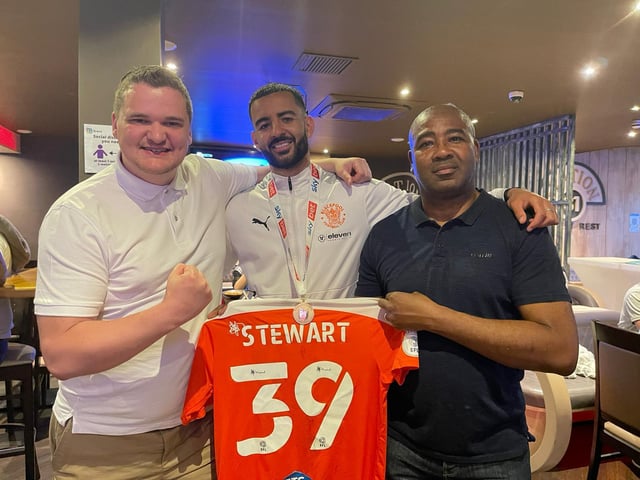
point(300, 151)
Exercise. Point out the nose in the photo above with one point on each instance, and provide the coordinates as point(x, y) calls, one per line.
point(443, 151)
point(277, 129)
point(157, 133)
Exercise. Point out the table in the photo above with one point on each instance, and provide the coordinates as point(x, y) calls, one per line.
point(20, 285)
point(23, 285)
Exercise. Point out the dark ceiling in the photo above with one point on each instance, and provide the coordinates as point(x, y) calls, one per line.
point(463, 51)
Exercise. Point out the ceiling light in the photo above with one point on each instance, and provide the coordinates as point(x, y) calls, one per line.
point(588, 71)
point(24, 131)
point(474, 120)
point(172, 66)
point(325, 151)
point(397, 139)
point(632, 134)
point(635, 108)
point(404, 92)
point(637, 7)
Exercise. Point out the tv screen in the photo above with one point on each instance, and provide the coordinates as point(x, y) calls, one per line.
point(246, 156)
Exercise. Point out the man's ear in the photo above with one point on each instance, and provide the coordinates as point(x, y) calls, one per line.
point(253, 140)
point(310, 124)
point(114, 125)
point(476, 147)
point(411, 163)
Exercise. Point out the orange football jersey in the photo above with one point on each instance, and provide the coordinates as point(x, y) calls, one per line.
point(296, 401)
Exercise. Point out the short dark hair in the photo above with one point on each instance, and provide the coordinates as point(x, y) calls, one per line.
point(271, 88)
point(156, 76)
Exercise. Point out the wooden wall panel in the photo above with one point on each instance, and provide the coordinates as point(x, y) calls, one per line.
point(631, 244)
point(619, 172)
point(591, 242)
point(615, 187)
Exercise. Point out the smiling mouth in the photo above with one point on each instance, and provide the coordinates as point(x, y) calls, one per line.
point(281, 146)
point(156, 151)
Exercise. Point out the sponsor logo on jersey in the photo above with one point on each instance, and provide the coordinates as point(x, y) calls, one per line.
point(297, 476)
point(329, 237)
point(333, 215)
point(260, 222)
point(311, 210)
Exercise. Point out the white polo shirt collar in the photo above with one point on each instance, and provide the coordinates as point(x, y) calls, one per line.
point(148, 194)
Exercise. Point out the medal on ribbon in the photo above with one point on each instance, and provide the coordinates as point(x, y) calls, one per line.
point(303, 313)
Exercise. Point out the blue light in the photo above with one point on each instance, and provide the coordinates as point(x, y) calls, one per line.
point(255, 162)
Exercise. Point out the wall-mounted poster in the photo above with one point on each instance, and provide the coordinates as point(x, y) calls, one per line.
point(100, 147)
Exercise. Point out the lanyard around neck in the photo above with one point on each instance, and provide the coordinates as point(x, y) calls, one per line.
point(275, 202)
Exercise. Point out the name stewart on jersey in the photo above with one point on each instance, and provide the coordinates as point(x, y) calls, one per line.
point(286, 333)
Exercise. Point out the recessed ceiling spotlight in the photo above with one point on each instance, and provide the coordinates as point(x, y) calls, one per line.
point(169, 46)
point(325, 151)
point(588, 71)
point(635, 108)
point(637, 7)
point(632, 134)
point(474, 120)
point(404, 92)
point(172, 66)
point(24, 131)
point(397, 139)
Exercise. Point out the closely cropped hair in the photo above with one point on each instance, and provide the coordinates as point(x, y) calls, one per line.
point(424, 115)
point(155, 76)
point(273, 87)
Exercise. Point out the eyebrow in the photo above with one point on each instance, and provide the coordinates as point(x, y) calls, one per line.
point(430, 133)
point(172, 118)
point(279, 115)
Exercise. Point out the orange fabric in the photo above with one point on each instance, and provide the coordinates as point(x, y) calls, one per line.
point(305, 406)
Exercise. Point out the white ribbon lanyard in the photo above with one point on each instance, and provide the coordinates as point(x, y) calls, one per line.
point(299, 276)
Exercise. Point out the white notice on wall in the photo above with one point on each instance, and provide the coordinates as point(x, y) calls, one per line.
point(634, 222)
point(100, 147)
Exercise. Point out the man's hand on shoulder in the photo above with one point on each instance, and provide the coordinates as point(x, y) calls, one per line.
point(351, 169)
point(519, 200)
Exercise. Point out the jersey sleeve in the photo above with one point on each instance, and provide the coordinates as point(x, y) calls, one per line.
point(398, 353)
point(199, 393)
point(383, 199)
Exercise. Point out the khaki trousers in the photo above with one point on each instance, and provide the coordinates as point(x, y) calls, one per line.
point(182, 452)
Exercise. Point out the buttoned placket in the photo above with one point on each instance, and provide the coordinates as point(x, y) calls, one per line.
point(172, 205)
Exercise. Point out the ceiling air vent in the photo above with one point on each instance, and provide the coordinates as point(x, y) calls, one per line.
point(318, 63)
point(358, 109)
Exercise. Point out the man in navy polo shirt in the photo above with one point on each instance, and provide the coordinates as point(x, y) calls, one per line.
point(488, 300)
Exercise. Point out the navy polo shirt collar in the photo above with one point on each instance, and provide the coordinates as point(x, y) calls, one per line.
point(468, 217)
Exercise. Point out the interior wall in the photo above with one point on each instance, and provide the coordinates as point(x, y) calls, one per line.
point(607, 226)
point(110, 44)
point(32, 180)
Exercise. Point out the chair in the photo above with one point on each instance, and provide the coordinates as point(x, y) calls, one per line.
point(551, 423)
point(582, 296)
point(617, 422)
point(560, 411)
point(22, 370)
